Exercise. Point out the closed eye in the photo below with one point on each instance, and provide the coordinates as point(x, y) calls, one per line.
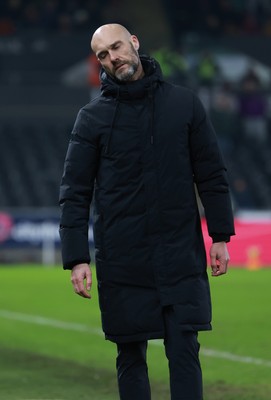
point(115, 47)
point(102, 56)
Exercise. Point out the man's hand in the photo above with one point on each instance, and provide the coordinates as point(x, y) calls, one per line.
point(81, 279)
point(219, 258)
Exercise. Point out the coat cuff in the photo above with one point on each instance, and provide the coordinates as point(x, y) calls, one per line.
point(75, 247)
point(70, 265)
point(220, 237)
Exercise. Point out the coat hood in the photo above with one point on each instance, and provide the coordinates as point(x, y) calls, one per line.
point(133, 89)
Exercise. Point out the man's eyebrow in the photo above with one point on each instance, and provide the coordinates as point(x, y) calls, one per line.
point(115, 43)
point(110, 47)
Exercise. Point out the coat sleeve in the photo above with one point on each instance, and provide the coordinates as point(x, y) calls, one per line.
point(210, 175)
point(76, 191)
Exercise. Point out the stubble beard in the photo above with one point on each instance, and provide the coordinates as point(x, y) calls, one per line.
point(131, 66)
point(128, 73)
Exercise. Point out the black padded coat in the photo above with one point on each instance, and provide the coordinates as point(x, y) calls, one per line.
point(138, 150)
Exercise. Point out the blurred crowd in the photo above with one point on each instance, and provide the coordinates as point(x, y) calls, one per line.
point(221, 16)
point(238, 16)
point(240, 112)
point(214, 16)
point(69, 15)
point(247, 98)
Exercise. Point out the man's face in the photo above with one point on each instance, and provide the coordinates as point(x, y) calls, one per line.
point(118, 55)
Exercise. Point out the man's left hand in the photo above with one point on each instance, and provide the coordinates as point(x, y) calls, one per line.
point(220, 258)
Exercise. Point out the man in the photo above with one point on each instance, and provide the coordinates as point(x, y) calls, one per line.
point(139, 148)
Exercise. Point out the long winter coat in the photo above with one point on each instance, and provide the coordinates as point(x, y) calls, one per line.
point(138, 149)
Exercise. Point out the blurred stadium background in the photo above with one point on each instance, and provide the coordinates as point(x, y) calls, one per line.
point(218, 48)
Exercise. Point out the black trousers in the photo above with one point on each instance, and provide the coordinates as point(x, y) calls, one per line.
point(182, 352)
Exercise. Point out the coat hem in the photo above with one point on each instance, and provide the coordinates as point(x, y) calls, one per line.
point(144, 336)
point(138, 337)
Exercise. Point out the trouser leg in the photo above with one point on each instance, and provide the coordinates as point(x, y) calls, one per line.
point(132, 371)
point(182, 351)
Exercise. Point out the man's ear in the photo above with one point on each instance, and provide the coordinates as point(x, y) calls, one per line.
point(135, 42)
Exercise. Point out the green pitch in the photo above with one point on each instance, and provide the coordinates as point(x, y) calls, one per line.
point(51, 345)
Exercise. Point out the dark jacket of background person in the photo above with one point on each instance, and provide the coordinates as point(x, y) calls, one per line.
point(140, 147)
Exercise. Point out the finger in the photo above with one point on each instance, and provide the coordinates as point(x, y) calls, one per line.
point(221, 268)
point(88, 280)
point(79, 288)
point(82, 291)
point(74, 282)
point(214, 265)
point(84, 294)
point(215, 271)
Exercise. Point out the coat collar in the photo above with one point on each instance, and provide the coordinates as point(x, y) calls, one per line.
point(134, 89)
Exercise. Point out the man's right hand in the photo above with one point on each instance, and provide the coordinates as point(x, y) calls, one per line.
point(81, 278)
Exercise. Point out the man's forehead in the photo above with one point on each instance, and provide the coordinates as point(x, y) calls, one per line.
point(103, 43)
point(105, 37)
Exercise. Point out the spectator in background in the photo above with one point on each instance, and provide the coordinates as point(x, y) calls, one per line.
point(93, 76)
point(49, 14)
point(85, 73)
point(62, 16)
point(259, 7)
point(256, 15)
point(207, 69)
point(223, 114)
point(253, 108)
point(243, 196)
point(207, 74)
point(10, 12)
point(173, 65)
point(31, 15)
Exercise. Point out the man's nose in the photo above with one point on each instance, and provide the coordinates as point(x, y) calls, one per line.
point(113, 56)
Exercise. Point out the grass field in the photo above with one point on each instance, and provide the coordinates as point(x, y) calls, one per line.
point(51, 345)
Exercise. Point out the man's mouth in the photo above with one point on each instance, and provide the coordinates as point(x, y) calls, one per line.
point(119, 66)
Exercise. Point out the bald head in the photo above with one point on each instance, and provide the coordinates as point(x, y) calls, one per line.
point(109, 31)
point(117, 51)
